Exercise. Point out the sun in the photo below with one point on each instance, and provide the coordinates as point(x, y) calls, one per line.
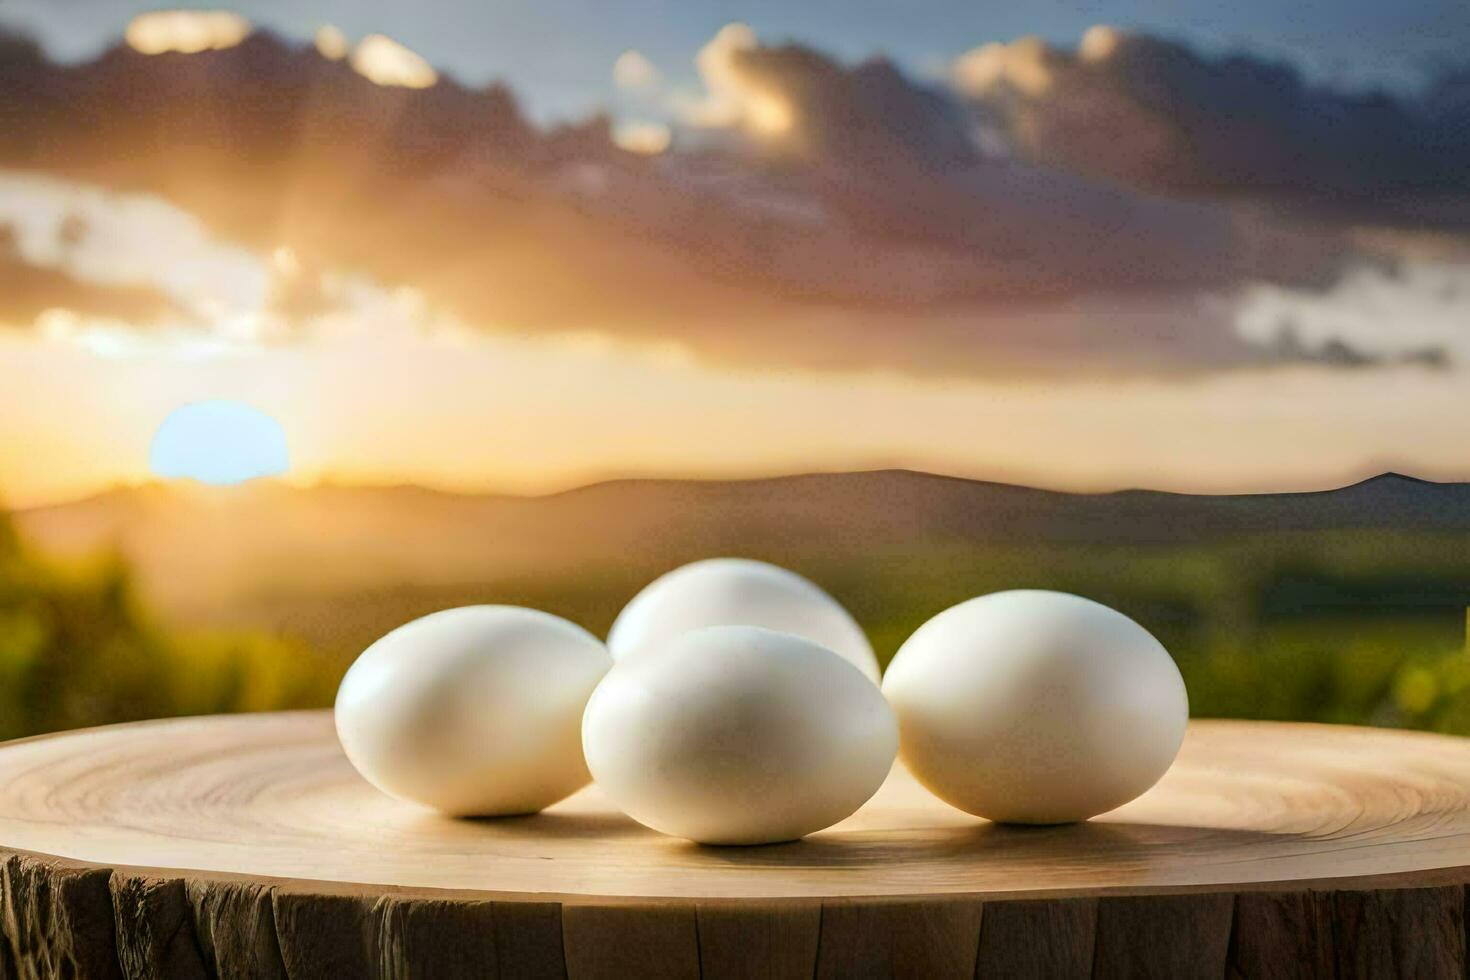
point(219, 442)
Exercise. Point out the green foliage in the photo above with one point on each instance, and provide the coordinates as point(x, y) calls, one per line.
point(1353, 627)
point(1345, 627)
point(1349, 626)
point(76, 649)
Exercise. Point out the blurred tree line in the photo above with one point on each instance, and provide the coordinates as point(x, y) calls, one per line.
point(1343, 626)
point(78, 649)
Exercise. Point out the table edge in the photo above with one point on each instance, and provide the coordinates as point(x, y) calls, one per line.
point(1453, 875)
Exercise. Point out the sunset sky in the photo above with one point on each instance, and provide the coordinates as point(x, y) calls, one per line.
point(525, 246)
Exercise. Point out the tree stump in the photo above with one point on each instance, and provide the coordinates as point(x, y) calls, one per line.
point(246, 846)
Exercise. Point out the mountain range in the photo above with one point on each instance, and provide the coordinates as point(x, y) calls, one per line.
point(199, 543)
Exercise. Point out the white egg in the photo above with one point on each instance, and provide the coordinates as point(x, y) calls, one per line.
point(474, 711)
point(739, 592)
point(738, 735)
point(1036, 707)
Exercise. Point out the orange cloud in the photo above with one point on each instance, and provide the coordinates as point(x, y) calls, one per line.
point(873, 231)
point(331, 43)
point(186, 31)
point(639, 136)
point(383, 61)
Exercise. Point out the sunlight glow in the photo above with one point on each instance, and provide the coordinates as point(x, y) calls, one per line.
point(383, 61)
point(186, 31)
point(219, 442)
point(768, 114)
point(1099, 43)
point(1024, 65)
point(330, 42)
point(285, 262)
point(131, 239)
point(731, 98)
point(648, 138)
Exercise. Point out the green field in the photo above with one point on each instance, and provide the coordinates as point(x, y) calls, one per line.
point(1362, 627)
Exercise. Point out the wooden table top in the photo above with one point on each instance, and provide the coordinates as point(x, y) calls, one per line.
point(1247, 805)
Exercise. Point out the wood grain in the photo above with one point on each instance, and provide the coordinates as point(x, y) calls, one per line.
point(756, 941)
point(1035, 940)
point(246, 846)
point(1283, 934)
point(922, 939)
point(235, 927)
point(154, 927)
point(1406, 932)
point(1163, 937)
point(58, 920)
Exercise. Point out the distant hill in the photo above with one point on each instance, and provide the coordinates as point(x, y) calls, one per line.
point(339, 566)
point(198, 541)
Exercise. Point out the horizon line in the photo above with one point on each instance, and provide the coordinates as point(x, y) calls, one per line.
point(190, 485)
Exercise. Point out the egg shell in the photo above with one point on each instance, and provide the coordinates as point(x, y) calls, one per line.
point(1036, 707)
point(474, 711)
point(739, 592)
point(738, 735)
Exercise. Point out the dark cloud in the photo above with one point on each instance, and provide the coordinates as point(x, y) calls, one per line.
point(867, 119)
point(873, 210)
point(915, 213)
point(1154, 114)
point(1289, 348)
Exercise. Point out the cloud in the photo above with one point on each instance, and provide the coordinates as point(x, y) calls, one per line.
point(894, 167)
point(870, 116)
point(869, 228)
point(186, 31)
point(1412, 311)
point(384, 61)
point(642, 136)
point(102, 240)
point(331, 43)
point(1154, 114)
point(732, 98)
point(79, 262)
point(29, 292)
point(633, 70)
point(1288, 348)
